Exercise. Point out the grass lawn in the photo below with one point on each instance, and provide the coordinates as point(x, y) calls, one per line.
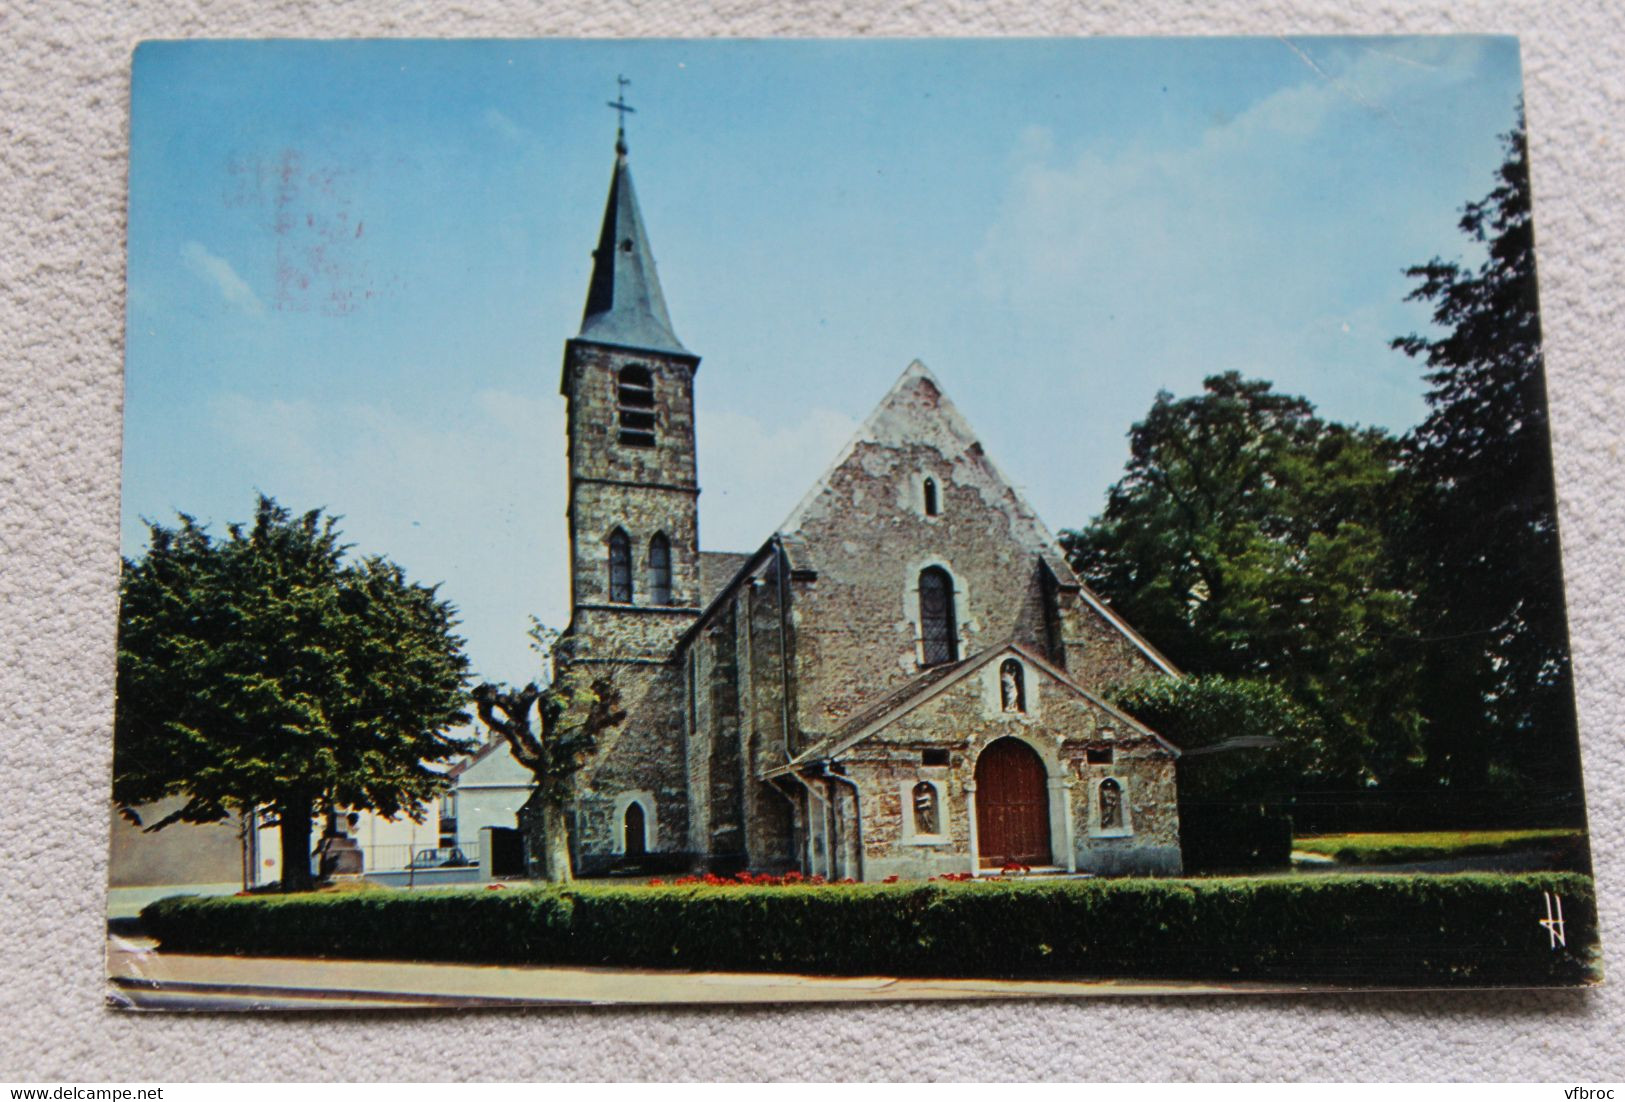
point(1433, 845)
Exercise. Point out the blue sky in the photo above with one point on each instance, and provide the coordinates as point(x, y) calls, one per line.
point(353, 266)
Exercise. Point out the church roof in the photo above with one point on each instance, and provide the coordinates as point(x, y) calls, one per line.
point(928, 685)
point(624, 303)
point(717, 569)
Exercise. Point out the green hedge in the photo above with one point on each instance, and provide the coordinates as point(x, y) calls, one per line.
point(1413, 930)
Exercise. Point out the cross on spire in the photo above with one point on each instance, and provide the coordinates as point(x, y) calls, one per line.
point(620, 105)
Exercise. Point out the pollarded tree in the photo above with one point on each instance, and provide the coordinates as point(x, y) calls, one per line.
point(263, 670)
point(1485, 546)
point(571, 716)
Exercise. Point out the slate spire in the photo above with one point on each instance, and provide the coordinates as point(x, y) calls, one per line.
point(624, 303)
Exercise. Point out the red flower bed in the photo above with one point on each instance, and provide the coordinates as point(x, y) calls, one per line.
point(755, 879)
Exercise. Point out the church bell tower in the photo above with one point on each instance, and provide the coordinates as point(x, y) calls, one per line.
point(628, 383)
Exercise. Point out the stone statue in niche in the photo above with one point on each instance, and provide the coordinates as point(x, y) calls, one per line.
point(1010, 688)
point(1111, 805)
point(925, 809)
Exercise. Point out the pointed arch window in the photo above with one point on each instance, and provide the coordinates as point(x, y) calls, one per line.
point(635, 406)
point(660, 569)
point(620, 568)
point(932, 507)
point(1012, 686)
point(939, 630)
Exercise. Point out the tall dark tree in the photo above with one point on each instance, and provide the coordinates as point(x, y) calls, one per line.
point(264, 671)
point(1485, 548)
point(1250, 539)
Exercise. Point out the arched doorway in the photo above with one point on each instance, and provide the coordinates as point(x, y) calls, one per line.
point(636, 840)
point(1012, 806)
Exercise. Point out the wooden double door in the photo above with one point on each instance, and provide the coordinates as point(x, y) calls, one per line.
point(1012, 806)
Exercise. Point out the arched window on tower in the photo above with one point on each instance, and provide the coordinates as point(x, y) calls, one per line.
point(660, 570)
point(635, 406)
point(620, 568)
point(1012, 686)
point(939, 631)
point(931, 506)
point(634, 836)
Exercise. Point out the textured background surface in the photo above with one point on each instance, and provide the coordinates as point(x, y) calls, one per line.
point(64, 87)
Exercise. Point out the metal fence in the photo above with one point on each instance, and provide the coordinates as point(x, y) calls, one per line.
point(400, 858)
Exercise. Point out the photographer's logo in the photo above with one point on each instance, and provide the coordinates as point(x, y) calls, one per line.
point(1554, 919)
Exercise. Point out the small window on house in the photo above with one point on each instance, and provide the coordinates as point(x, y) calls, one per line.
point(933, 757)
point(1098, 755)
point(659, 570)
point(1111, 804)
point(939, 631)
point(635, 406)
point(1012, 686)
point(927, 819)
point(931, 497)
point(448, 819)
point(620, 568)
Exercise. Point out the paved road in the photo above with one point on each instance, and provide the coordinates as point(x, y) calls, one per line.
point(143, 979)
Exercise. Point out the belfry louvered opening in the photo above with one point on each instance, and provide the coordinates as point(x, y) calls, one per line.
point(635, 406)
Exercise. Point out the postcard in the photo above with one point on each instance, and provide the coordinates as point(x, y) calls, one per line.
point(1062, 517)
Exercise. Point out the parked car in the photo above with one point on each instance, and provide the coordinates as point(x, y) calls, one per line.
point(441, 857)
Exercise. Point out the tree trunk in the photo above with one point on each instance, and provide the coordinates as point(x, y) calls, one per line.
point(293, 819)
point(547, 840)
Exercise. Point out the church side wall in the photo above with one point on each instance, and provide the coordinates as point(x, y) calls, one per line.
point(697, 728)
point(767, 811)
point(725, 778)
point(641, 757)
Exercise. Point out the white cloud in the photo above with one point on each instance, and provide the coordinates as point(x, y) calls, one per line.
point(1175, 212)
point(1226, 251)
point(218, 273)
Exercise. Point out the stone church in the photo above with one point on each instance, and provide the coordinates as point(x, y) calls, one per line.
point(901, 681)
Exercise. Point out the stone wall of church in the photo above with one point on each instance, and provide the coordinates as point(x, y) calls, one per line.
point(766, 811)
point(857, 623)
point(1096, 653)
point(1062, 729)
point(642, 758)
point(1148, 843)
point(641, 490)
point(737, 717)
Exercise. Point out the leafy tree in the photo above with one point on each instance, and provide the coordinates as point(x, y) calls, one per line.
point(1251, 539)
point(1246, 744)
point(1255, 738)
point(263, 670)
point(1485, 545)
point(572, 714)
